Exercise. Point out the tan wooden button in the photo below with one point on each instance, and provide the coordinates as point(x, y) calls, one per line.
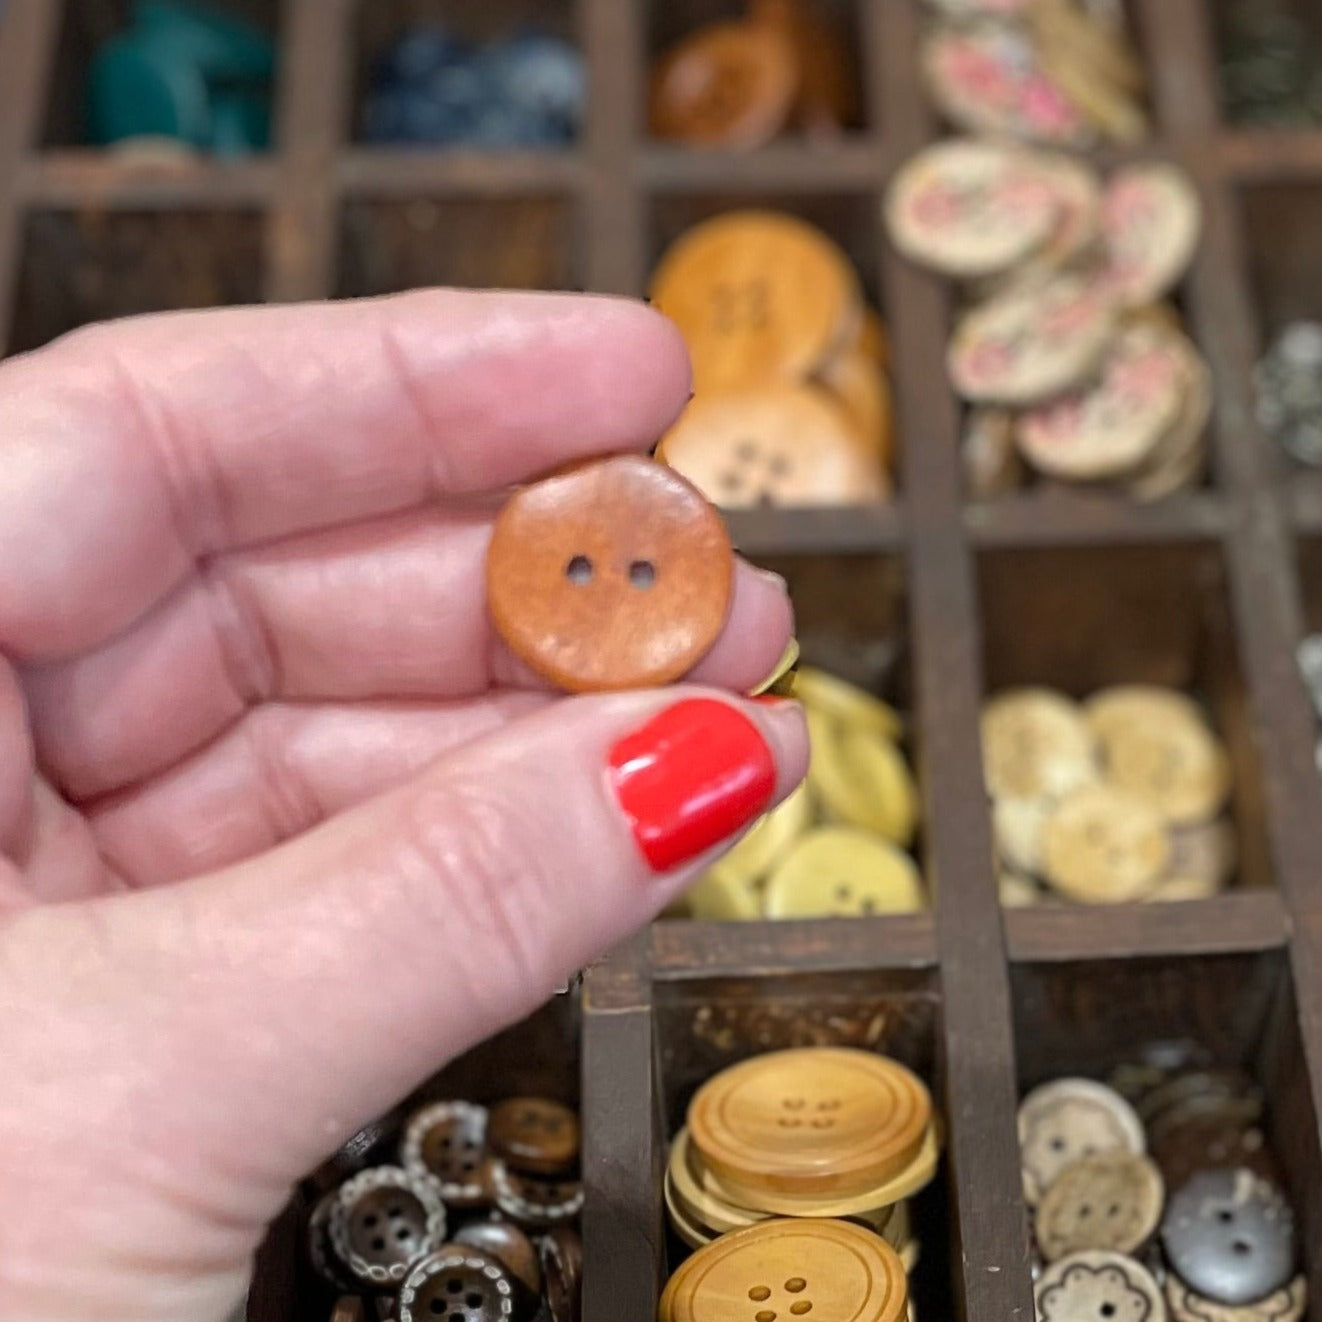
point(787, 1269)
point(860, 387)
point(1112, 427)
point(692, 1195)
point(1151, 219)
point(970, 208)
point(1285, 1305)
point(448, 1141)
point(725, 85)
point(1099, 1287)
point(760, 297)
point(534, 1135)
point(837, 872)
point(1102, 845)
point(817, 1121)
point(1035, 745)
point(1069, 1119)
point(780, 445)
point(1110, 1201)
point(383, 1220)
point(614, 574)
point(510, 1245)
point(1029, 344)
point(1017, 826)
point(1014, 891)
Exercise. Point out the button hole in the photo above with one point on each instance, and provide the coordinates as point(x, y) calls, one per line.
point(579, 570)
point(1242, 1247)
point(758, 1293)
point(642, 574)
point(796, 1285)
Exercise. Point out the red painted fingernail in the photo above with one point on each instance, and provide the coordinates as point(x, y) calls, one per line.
point(690, 778)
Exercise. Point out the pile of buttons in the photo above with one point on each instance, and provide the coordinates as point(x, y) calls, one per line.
point(433, 90)
point(1164, 1205)
point(837, 847)
point(184, 75)
point(476, 1221)
point(840, 1137)
point(1271, 67)
point(1057, 72)
point(792, 402)
point(1309, 656)
point(1070, 361)
point(742, 82)
point(1117, 799)
point(1289, 387)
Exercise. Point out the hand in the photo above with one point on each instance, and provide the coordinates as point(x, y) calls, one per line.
point(282, 825)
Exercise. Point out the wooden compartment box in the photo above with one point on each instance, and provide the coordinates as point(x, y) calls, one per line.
point(932, 600)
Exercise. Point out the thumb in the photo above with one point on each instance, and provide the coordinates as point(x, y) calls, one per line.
point(248, 1022)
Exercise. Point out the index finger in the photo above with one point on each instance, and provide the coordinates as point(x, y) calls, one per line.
point(129, 451)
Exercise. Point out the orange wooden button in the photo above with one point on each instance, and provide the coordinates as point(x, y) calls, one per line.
point(726, 85)
point(781, 1271)
point(534, 1134)
point(614, 574)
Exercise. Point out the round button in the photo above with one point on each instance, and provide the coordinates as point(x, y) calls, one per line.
point(1286, 1305)
point(615, 574)
point(534, 1135)
point(1104, 846)
point(561, 1253)
point(510, 1245)
point(847, 704)
point(1230, 1236)
point(533, 1202)
point(726, 85)
point(459, 1284)
point(697, 1202)
point(836, 872)
point(383, 1220)
point(784, 1270)
point(1035, 745)
point(759, 296)
point(447, 1140)
point(817, 1121)
point(862, 780)
point(1067, 1120)
point(779, 446)
point(321, 1253)
point(1151, 220)
point(1112, 1201)
point(1099, 1287)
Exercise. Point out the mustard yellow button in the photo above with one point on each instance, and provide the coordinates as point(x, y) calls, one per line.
point(721, 897)
point(787, 1270)
point(862, 780)
point(846, 703)
point(838, 872)
point(768, 841)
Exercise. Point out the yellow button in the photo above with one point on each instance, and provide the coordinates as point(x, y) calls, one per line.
point(818, 1121)
point(837, 872)
point(721, 897)
point(862, 779)
point(850, 705)
point(1103, 846)
point(784, 1270)
point(1035, 744)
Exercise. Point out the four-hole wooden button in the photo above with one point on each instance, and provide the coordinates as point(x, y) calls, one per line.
point(787, 1270)
point(614, 574)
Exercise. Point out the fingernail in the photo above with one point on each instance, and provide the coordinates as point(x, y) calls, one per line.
point(777, 581)
point(690, 778)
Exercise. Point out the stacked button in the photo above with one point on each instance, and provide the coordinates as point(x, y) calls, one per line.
point(433, 90)
point(1289, 386)
point(1163, 1201)
point(1072, 365)
point(478, 1220)
point(819, 1132)
point(182, 77)
point(838, 847)
point(1118, 799)
point(742, 82)
point(1054, 72)
point(1271, 67)
point(792, 403)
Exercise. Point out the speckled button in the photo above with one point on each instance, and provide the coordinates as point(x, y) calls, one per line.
point(510, 1245)
point(534, 1135)
point(1099, 1287)
point(785, 1270)
point(1066, 1120)
point(1151, 219)
point(1111, 1201)
point(529, 1201)
point(458, 1282)
point(823, 1122)
point(448, 1141)
point(725, 85)
point(1035, 745)
point(615, 574)
point(1103, 846)
point(383, 1220)
point(1229, 1235)
point(1284, 1305)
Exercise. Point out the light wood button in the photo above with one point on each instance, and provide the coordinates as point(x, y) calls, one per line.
point(817, 1121)
point(1035, 745)
point(1110, 1201)
point(1102, 845)
point(782, 1270)
point(759, 296)
point(1095, 1286)
point(838, 872)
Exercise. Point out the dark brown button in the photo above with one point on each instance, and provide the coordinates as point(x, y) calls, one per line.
point(385, 1219)
point(448, 1141)
point(1213, 1143)
point(508, 1243)
point(534, 1135)
point(533, 1202)
point(321, 1254)
point(348, 1308)
point(458, 1283)
point(561, 1252)
point(615, 574)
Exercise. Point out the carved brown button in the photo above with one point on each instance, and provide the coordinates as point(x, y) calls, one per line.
point(533, 1202)
point(385, 1219)
point(459, 1284)
point(561, 1252)
point(508, 1243)
point(535, 1135)
point(614, 574)
point(448, 1140)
